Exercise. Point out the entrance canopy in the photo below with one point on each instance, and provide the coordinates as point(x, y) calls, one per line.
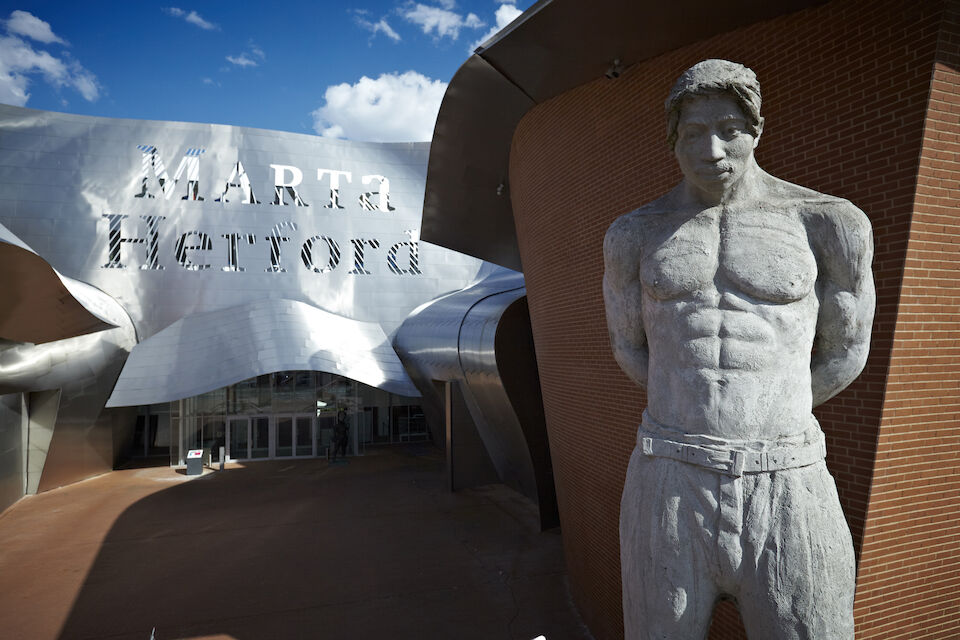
point(210, 350)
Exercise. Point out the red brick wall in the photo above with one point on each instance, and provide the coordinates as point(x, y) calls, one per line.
point(845, 89)
point(909, 583)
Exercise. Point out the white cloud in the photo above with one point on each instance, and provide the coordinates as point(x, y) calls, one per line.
point(446, 23)
point(380, 26)
point(27, 24)
point(19, 60)
point(396, 107)
point(86, 83)
point(192, 17)
point(13, 88)
point(506, 13)
point(249, 57)
point(242, 60)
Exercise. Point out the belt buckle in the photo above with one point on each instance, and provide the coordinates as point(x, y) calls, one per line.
point(739, 460)
point(646, 445)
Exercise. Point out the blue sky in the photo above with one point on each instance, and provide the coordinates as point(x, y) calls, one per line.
point(372, 70)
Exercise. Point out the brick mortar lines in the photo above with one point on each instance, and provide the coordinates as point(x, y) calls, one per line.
point(570, 346)
point(883, 522)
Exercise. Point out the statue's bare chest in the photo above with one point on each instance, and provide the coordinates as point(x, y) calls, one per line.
point(765, 255)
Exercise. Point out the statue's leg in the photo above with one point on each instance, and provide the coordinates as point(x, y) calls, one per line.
point(666, 527)
point(798, 575)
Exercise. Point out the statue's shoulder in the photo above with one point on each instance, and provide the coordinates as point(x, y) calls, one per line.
point(625, 236)
point(635, 221)
point(839, 232)
point(821, 209)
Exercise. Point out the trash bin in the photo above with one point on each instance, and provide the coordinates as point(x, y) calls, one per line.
point(194, 462)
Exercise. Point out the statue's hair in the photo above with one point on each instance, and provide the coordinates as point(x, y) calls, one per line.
point(712, 77)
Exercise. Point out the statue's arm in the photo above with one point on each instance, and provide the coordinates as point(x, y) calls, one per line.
point(847, 299)
point(622, 296)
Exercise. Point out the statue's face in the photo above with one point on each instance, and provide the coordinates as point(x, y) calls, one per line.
point(714, 146)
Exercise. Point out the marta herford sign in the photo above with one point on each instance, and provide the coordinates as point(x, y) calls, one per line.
point(174, 221)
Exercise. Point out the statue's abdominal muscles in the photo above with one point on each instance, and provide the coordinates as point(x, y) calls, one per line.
point(730, 339)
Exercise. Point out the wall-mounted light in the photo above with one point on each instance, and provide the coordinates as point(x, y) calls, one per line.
point(616, 68)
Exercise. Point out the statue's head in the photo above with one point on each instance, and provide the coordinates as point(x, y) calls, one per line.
point(712, 77)
point(714, 125)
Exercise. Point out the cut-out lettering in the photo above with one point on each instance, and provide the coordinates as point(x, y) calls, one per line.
point(115, 241)
point(333, 254)
point(238, 180)
point(382, 202)
point(281, 184)
point(275, 238)
point(334, 185)
point(233, 249)
point(203, 243)
point(358, 257)
point(152, 163)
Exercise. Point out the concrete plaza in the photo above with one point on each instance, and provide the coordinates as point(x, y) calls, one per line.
point(373, 548)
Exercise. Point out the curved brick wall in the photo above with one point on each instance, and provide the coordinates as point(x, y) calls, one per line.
point(846, 89)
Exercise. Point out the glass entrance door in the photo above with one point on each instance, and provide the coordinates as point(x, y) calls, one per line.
point(248, 437)
point(238, 438)
point(294, 436)
point(214, 436)
point(284, 437)
point(251, 437)
point(303, 435)
point(260, 437)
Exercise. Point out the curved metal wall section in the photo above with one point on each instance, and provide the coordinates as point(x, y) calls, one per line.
point(553, 47)
point(39, 304)
point(467, 337)
point(207, 351)
point(65, 382)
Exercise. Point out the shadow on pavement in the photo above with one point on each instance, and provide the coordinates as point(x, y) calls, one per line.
point(376, 548)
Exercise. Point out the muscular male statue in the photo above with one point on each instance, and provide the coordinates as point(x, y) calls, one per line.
point(739, 301)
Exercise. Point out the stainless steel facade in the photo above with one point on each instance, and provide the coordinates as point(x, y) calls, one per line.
point(210, 254)
point(144, 211)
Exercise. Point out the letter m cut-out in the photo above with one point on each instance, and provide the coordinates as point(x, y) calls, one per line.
point(152, 164)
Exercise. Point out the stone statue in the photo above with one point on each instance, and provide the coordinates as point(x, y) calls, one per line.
point(739, 301)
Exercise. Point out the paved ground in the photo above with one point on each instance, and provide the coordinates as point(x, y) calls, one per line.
point(376, 548)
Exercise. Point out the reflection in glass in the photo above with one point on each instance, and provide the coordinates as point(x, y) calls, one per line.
point(260, 446)
point(239, 439)
point(325, 440)
point(291, 413)
point(175, 452)
point(192, 436)
point(284, 437)
point(214, 436)
point(304, 436)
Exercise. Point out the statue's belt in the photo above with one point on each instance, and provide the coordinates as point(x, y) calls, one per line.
point(735, 462)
